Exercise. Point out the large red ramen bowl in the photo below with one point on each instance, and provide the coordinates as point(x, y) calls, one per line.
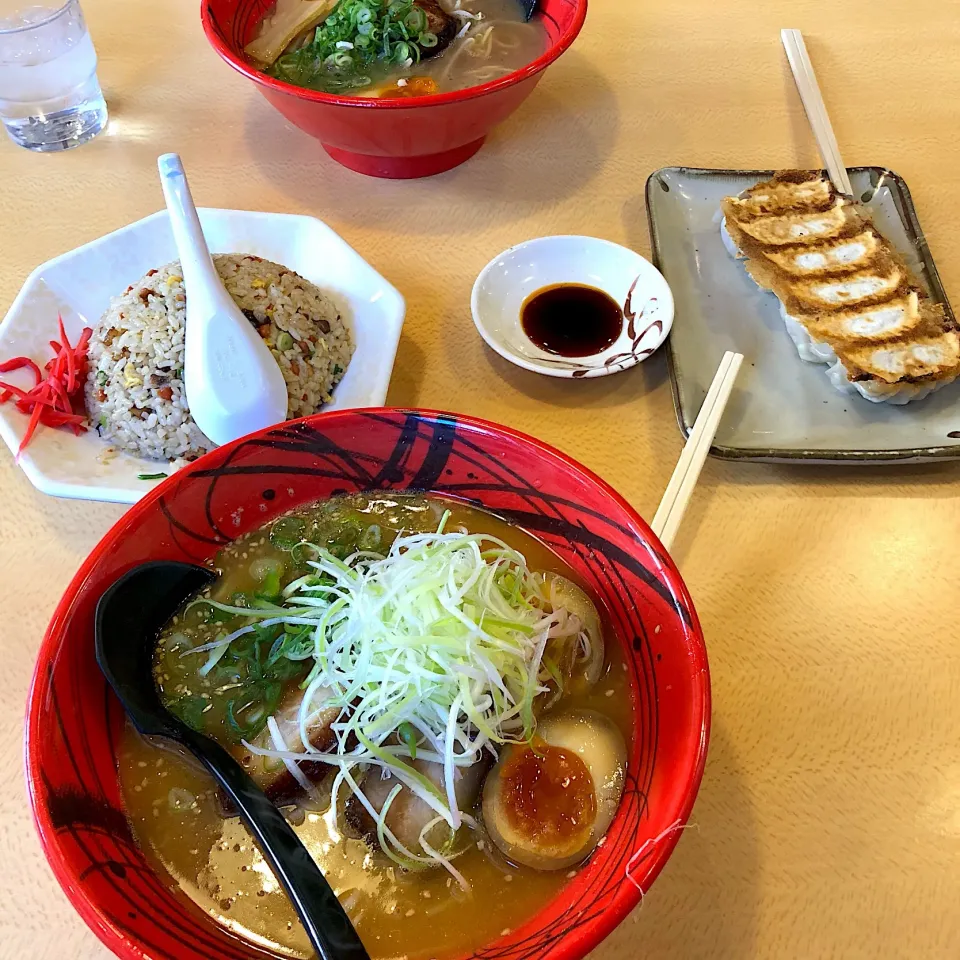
point(73, 720)
point(406, 138)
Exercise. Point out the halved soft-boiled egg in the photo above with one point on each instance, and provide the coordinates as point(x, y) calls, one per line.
point(547, 804)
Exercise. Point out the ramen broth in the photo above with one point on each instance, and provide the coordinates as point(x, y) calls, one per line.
point(178, 817)
point(491, 40)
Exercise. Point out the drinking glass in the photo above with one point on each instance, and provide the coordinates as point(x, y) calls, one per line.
point(50, 97)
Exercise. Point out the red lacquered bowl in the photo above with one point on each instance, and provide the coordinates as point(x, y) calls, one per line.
point(400, 139)
point(73, 720)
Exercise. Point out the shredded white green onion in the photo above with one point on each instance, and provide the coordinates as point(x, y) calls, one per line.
point(435, 651)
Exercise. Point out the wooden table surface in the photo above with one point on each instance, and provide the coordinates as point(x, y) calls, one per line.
point(828, 823)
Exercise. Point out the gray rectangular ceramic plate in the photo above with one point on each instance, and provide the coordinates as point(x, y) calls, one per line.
point(782, 408)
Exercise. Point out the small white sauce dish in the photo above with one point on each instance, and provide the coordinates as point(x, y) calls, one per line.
point(634, 283)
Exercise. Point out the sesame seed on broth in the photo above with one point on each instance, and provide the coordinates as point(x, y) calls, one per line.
point(178, 819)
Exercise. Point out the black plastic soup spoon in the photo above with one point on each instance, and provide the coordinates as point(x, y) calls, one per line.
point(130, 616)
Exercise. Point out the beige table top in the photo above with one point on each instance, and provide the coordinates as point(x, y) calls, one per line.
point(829, 816)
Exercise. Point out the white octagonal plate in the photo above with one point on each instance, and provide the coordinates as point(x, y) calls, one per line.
point(78, 285)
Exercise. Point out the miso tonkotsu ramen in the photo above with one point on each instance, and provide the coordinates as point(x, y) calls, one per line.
point(394, 48)
point(429, 697)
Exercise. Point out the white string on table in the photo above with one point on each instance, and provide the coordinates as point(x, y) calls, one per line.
point(679, 490)
point(815, 108)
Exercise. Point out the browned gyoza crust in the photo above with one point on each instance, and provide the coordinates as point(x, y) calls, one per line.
point(835, 274)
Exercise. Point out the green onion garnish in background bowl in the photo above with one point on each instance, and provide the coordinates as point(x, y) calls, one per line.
point(356, 44)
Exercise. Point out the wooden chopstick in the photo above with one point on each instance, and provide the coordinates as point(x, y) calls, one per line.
point(815, 108)
point(679, 490)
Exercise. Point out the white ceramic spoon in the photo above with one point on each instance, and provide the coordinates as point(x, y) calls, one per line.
point(234, 385)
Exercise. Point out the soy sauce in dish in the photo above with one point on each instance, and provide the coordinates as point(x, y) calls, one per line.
point(571, 319)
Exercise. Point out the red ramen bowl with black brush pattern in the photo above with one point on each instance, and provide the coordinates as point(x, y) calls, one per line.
point(74, 721)
point(395, 138)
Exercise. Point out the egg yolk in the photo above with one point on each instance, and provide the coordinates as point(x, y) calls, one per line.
point(548, 794)
point(414, 87)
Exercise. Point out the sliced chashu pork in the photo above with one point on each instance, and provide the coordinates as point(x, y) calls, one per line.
point(272, 775)
point(408, 815)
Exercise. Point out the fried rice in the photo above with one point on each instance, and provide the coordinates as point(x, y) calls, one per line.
point(135, 392)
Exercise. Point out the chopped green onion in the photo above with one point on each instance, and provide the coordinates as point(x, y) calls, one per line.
point(262, 568)
point(287, 532)
point(216, 655)
point(408, 736)
point(415, 20)
point(150, 476)
point(190, 710)
point(284, 341)
point(370, 538)
point(270, 588)
point(354, 42)
point(303, 552)
point(219, 616)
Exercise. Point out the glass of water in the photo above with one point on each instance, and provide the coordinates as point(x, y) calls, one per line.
point(50, 97)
